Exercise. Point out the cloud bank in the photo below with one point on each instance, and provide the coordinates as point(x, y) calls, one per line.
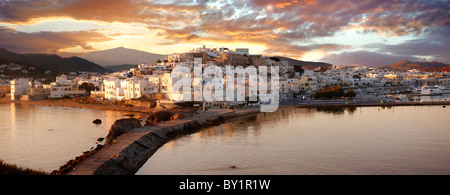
point(287, 27)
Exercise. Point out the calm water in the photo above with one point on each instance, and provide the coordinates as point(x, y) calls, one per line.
point(371, 140)
point(444, 97)
point(43, 137)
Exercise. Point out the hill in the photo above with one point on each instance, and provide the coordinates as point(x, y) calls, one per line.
point(304, 64)
point(119, 68)
point(50, 62)
point(406, 65)
point(122, 55)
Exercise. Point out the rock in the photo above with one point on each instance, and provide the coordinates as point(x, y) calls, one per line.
point(97, 121)
point(167, 115)
point(158, 117)
point(100, 139)
point(122, 126)
point(175, 116)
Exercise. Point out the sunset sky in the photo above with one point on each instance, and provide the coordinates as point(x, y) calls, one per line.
point(363, 32)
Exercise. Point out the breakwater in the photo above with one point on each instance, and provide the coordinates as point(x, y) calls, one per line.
point(131, 150)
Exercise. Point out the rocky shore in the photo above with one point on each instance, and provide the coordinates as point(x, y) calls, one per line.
point(129, 144)
point(128, 152)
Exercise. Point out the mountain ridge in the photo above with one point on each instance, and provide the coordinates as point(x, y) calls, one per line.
point(122, 55)
point(304, 64)
point(50, 62)
point(406, 65)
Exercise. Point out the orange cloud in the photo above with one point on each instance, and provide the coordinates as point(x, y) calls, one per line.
point(47, 42)
point(280, 28)
point(282, 5)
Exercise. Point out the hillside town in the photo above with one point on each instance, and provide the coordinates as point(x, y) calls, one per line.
point(154, 81)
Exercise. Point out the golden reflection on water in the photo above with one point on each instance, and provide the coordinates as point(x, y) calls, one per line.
point(43, 137)
point(368, 140)
point(13, 120)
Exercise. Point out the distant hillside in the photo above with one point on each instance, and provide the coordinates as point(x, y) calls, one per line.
point(304, 64)
point(119, 68)
point(406, 65)
point(122, 55)
point(51, 62)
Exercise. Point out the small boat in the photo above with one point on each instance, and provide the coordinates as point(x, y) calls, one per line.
point(434, 90)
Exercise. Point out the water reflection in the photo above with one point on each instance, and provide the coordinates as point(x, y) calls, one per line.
point(336, 110)
point(44, 137)
point(374, 140)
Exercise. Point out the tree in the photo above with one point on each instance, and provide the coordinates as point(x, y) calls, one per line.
point(88, 87)
point(275, 59)
point(298, 68)
point(350, 93)
point(335, 91)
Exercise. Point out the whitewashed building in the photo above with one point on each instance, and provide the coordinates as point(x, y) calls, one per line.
point(242, 51)
point(19, 88)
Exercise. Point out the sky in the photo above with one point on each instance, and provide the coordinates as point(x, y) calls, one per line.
point(353, 32)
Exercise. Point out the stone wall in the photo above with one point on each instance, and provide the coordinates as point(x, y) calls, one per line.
point(142, 104)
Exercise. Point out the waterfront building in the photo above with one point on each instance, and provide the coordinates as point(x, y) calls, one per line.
point(60, 91)
point(19, 88)
point(167, 87)
point(37, 93)
point(131, 88)
point(112, 88)
point(308, 84)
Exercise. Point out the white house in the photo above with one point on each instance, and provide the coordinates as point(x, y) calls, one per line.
point(167, 84)
point(19, 88)
point(62, 80)
point(153, 83)
point(59, 91)
point(131, 88)
point(64, 87)
point(242, 51)
point(112, 88)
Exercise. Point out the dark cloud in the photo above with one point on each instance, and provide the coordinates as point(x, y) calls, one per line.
point(366, 58)
point(434, 45)
point(295, 51)
point(47, 42)
point(127, 11)
point(275, 24)
point(324, 17)
point(300, 19)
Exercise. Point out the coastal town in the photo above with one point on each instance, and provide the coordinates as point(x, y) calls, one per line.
point(232, 91)
point(153, 82)
point(171, 103)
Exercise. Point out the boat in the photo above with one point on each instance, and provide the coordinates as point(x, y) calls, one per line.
point(417, 90)
point(434, 90)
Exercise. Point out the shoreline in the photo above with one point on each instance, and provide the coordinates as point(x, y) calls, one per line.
point(291, 103)
point(339, 105)
point(69, 104)
point(131, 150)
